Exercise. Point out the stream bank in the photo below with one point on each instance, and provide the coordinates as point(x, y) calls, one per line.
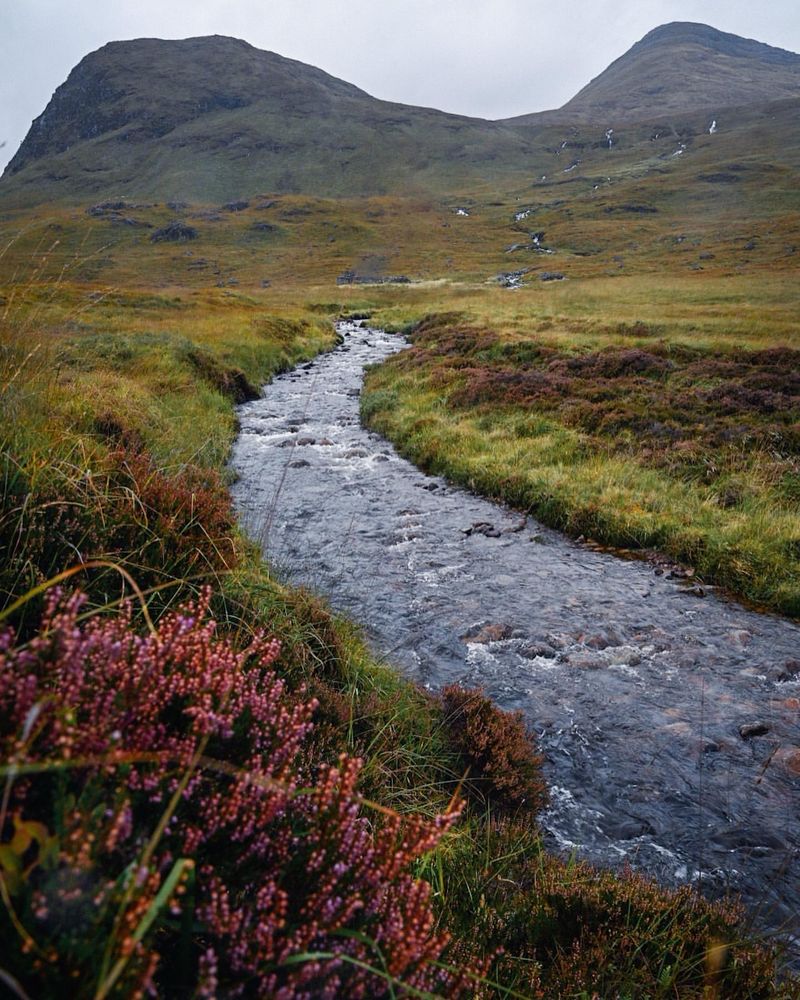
point(668, 721)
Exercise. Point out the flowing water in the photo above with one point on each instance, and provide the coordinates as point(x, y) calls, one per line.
point(636, 686)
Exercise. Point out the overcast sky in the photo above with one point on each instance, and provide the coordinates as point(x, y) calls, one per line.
point(488, 58)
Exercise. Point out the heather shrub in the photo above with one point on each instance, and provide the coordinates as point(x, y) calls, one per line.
point(504, 767)
point(168, 827)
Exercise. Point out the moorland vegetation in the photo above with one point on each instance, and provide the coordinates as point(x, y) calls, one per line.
point(184, 737)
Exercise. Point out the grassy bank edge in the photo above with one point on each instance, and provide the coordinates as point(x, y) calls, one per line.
point(552, 472)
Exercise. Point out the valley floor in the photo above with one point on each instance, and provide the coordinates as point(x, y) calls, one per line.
point(117, 421)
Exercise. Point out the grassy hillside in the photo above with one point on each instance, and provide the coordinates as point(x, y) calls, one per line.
point(728, 205)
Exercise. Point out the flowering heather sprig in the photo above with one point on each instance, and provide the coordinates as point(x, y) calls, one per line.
point(183, 729)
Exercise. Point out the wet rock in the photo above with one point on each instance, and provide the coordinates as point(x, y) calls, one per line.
point(356, 453)
point(354, 392)
point(627, 828)
point(738, 837)
point(325, 443)
point(305, 441)
point(537, 650)
point(602, 640)
point(516, 528)
point(482, 528)
point(512, 279)
point(678, 729)
point(786, 672)
point(299, 463)
point(752, 729)
point(493, 632)
point(585, 662)
point(788, 758)
point(382, 458)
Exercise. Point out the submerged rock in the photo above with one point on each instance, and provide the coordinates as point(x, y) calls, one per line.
point(482, 528)
point(753, 729)
point(493, 632)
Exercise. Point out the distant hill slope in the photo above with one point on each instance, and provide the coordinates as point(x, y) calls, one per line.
point(683, 67)
point(215, 119)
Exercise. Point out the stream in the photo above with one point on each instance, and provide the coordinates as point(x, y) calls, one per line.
point(636, 687)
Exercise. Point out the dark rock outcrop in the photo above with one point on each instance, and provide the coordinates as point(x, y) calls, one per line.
point(174, 232)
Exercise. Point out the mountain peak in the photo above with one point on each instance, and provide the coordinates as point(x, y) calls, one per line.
point(684, 66)
point(145, 88)
point(678, 33)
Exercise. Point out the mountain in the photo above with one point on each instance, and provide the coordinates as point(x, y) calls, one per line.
point(146, 89)
point(683, 67)
point(215, 119)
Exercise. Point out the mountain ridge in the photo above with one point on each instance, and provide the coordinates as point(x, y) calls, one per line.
point(213, 117)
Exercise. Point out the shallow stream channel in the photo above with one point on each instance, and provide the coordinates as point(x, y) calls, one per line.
point(669, 721)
